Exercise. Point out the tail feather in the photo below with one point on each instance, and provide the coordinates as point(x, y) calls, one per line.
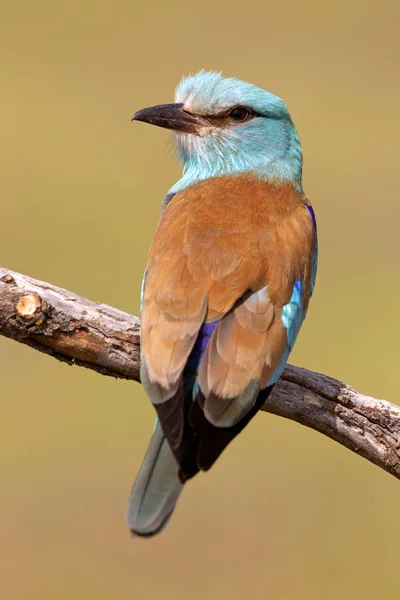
point(156, 489)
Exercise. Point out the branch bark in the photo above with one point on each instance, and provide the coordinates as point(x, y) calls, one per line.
point(78, 331)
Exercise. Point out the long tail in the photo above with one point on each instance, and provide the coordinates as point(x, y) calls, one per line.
point(156, 489)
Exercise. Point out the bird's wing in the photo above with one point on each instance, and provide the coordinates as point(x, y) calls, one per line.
point(227, 255)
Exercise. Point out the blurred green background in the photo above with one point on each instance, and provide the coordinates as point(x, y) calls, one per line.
point(285, 513)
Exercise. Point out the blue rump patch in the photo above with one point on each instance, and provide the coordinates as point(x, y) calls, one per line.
point(200, 345)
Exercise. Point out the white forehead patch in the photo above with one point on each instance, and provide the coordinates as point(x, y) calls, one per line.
point(206, 92)
point(209, 93)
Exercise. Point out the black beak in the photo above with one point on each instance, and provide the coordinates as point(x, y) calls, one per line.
point(171, 116)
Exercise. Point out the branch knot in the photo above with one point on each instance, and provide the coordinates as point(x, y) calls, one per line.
point(78, 331)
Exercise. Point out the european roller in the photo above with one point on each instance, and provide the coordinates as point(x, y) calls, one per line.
point(228, 280)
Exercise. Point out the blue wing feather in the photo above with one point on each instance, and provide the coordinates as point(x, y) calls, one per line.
point(209, 441)
point(293, 312)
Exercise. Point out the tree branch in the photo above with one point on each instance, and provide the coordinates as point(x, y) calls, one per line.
point(96, 336)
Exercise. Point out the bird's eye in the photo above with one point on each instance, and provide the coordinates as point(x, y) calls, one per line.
point(240, 114)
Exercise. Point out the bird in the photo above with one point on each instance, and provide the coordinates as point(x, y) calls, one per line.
point(228, 280)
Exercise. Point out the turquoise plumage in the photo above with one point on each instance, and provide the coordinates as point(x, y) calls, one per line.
point(228, 280)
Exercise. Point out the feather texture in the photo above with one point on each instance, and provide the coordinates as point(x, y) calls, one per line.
point(228, 280)
point(227, 251)
point(156, 489)
point(230, 273)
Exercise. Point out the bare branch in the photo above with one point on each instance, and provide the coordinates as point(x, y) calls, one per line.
point(96, 336)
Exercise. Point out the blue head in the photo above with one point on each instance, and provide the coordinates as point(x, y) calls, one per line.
point(225, 127)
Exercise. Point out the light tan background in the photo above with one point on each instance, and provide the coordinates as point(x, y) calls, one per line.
point(285, 514)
